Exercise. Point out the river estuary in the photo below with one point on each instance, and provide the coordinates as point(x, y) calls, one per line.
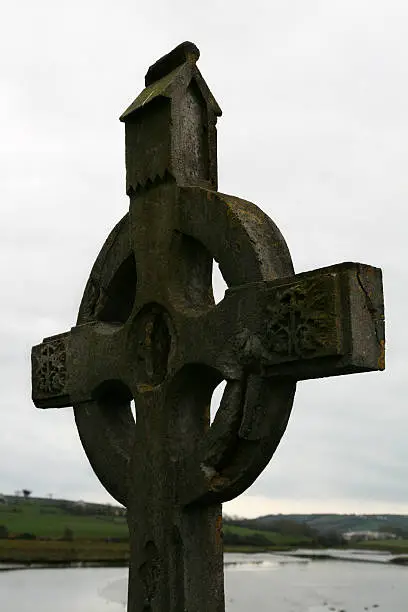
point(261, 583)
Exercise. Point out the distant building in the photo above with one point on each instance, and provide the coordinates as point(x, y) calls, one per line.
point(3, 500)
point(353, 536)
point(80, 504)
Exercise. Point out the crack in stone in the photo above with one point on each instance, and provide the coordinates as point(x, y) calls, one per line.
point(372, 309)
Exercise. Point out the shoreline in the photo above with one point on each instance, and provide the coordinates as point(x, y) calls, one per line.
point(54, 552)
point(71, 557)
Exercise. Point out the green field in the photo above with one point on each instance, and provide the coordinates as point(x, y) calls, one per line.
point(51, 521)
point(62, 532)
point(276, 540)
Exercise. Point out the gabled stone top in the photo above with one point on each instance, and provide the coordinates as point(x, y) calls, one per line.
point(168, 75)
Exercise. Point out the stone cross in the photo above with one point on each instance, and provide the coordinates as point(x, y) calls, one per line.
point(148, 329)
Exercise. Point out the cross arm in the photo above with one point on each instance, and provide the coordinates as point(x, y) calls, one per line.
point(325, 322)
point(68, 368)
point(49, 372)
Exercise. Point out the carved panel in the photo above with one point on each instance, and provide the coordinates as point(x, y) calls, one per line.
point(49, 367)
point(302, 319)
point(151, 344)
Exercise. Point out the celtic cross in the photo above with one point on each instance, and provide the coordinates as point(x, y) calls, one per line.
point(148, 329)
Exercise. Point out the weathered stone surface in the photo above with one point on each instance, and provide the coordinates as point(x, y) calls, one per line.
point(148, 329)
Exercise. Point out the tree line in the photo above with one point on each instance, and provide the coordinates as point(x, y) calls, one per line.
point(284, 527)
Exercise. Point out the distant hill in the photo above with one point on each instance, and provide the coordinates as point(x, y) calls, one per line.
point(340, 523)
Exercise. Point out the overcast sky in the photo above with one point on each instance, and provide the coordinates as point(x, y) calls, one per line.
point(314, 131)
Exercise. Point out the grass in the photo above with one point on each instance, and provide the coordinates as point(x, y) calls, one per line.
point(50, 521)
point(54, 551)
point(277, 540)
point(397, 547)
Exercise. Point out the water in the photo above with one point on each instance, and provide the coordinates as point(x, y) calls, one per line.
point(265, 583)
point(285, 584)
